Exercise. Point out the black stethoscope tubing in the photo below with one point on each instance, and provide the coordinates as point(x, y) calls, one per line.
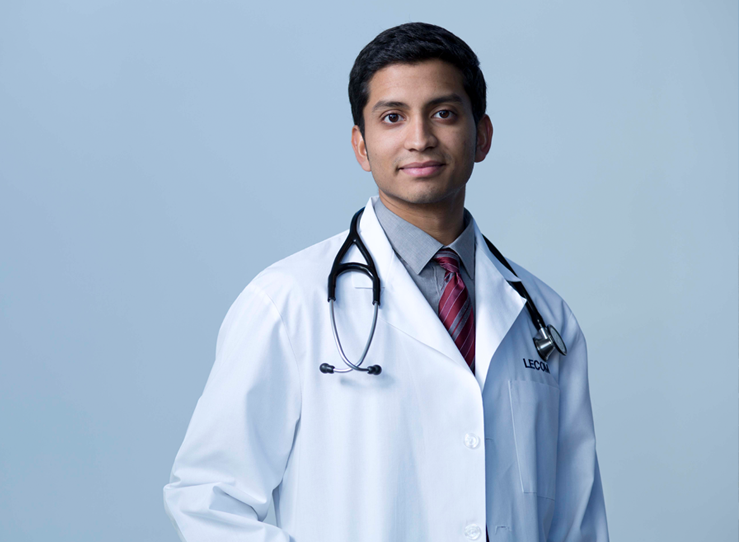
point(546, 340)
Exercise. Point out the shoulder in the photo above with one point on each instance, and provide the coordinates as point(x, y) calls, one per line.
point(300, 273)
point(553, 308)
point(297, 280)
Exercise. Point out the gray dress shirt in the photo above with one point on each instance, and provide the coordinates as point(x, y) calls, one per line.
point(416, 250)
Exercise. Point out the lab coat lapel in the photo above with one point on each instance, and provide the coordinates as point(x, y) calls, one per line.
point(402, 304)
point(497, 305)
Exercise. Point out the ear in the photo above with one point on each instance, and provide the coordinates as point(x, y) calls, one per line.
point(484, 138)
point(360, 149)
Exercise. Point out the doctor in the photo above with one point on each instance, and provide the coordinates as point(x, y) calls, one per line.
point(467, 432)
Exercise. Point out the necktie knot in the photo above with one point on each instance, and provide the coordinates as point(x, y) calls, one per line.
point(448, 260)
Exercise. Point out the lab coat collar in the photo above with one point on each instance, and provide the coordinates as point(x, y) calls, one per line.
point(497, 306)
point(502, 269)
point(403, 306)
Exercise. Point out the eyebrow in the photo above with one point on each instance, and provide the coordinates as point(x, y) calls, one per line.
point(453, 98)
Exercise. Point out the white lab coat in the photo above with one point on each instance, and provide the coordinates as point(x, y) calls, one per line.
point(424, 452)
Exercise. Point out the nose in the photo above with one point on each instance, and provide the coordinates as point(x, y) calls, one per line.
point(420, 135)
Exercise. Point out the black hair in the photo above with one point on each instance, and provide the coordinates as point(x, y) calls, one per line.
point(411, 43)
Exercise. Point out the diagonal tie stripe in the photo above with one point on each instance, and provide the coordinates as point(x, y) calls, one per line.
point(455, 306)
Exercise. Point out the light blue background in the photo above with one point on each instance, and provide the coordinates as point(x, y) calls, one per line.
point(155, 156)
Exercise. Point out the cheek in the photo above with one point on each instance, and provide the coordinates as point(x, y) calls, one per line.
point(471, 138)
point(462, 145)
point(471, 144)
point(381, 151)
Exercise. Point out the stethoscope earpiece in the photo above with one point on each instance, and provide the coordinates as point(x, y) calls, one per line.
point(329, 369)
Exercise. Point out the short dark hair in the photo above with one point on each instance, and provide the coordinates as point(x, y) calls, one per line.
point(411, 43)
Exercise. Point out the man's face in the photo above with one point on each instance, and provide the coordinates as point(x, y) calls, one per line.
point(420, 140)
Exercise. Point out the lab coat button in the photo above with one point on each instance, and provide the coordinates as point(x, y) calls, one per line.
point(471, 440)
point(472, 532)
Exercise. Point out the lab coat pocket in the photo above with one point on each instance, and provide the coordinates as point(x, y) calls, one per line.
point(535, 409)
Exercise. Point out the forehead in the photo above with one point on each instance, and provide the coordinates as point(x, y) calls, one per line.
point(418, 82)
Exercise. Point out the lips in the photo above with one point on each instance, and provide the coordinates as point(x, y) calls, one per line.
point(422, 169)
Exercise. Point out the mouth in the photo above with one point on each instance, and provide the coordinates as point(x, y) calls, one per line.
point(422, 169)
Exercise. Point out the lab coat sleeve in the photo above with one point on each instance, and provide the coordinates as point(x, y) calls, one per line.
point(579, 512)
point(240, 436)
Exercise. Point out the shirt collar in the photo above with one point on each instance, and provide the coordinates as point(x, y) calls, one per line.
point(416, 247)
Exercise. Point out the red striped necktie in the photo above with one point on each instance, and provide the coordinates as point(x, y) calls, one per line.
point(455, 306)
point(455, 310)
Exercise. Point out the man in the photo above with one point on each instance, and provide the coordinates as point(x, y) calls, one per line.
point(466, 432)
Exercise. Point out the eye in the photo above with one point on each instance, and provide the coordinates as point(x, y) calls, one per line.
point(444, 114)
point(391, 118)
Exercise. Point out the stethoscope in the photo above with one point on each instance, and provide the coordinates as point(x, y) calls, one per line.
point(546, 340)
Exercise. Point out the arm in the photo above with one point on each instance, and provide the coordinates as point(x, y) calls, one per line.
point(241, 433)
point(579, 512)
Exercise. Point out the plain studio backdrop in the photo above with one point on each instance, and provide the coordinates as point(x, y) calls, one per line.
point(156, 155)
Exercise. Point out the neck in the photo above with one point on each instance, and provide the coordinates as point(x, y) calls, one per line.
point(443, 220)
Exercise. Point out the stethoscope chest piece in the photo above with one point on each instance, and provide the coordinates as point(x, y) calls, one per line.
point(547, 340)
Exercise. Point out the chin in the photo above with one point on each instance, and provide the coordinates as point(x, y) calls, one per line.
point(423, 197)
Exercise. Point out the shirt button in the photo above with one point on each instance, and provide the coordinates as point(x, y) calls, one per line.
point(471, 440)
point(472, 532)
